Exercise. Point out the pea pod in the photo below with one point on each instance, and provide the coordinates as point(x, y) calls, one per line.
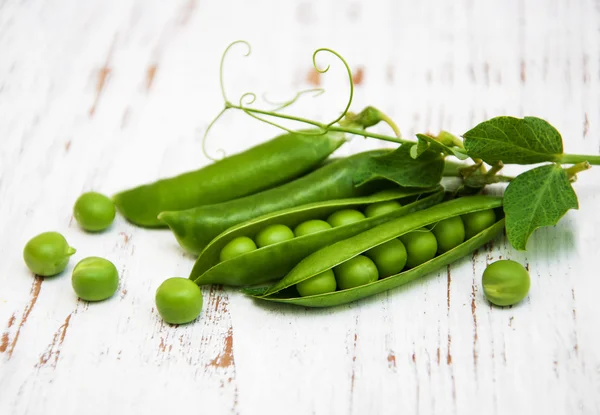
point(264, 166)
point(340, 252)
point(195, 228)
point(274, 261)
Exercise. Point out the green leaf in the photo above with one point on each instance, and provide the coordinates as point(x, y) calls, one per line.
point(417, 149)
point(426, 142)
point(536, 198)
point(399, 167)
point(514, 141)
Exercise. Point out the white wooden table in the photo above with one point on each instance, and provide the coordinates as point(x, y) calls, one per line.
point(107, 94)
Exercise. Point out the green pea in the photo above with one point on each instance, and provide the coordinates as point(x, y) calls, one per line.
point(273, 234)
point(178, 300)
point(311, 226)
point(345, 217)
point(476, 222)
point(421, 246)
point(381, 208)
point(505, 282)
point(236, 247)
point(322, 283)
point(95, 279)
point(355, 272)
point(449, 233)
point(390, 257)
point(47, 254)
point(94, 212)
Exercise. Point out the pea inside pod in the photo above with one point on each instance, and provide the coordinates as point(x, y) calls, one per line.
point(195, 228)
point(311, 226)
point(334, 255)
point(381, 208)
point(389, 258)
point(345, 217)
point(264, 166)
point(255, 266)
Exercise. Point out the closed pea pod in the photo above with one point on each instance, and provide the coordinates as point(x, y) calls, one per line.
point(266, 165)
point(271, 262)
point(195, 228)
point(344, 250)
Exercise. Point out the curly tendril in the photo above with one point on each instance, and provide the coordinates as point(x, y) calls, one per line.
point(227, 49)
point(322, 128)
point(348, 70)
point(220, 150)
point(244, 103)
point(250, 98)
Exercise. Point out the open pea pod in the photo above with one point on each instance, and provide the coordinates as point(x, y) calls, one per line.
point(274, 261)
point(333, 255)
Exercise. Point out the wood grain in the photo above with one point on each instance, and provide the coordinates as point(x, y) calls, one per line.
point(104, 95)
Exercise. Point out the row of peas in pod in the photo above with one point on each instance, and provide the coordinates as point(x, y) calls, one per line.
point(398, 251)
point(406, 252)
point(276, 233)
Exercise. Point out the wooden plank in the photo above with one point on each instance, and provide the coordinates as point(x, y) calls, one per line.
point(105, 95)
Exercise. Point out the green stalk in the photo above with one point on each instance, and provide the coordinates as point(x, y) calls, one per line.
point(324, 127)
point(577, 158)
point(495, 168)
point(391, 124)
point(453, 168)
point(577, 168)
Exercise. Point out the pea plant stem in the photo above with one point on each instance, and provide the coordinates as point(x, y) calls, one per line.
point(453, 168)
point(578, 158)
point(495, 168)
point(391, 123)
point(324, 127)
point(577, 168)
